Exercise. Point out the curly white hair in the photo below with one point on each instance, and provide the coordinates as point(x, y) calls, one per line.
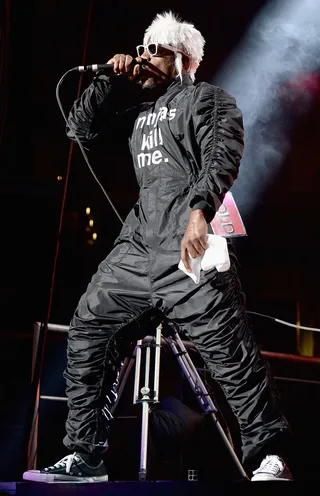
point(168, 28)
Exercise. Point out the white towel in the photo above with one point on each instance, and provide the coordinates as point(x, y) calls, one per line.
point(216, 255)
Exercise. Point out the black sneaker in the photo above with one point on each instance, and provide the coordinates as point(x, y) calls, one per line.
point(71, 468)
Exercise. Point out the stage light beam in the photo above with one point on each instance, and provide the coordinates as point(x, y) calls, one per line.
point(282, 43)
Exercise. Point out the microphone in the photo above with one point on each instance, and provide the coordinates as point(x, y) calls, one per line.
point(101, 67)
point(95, 67)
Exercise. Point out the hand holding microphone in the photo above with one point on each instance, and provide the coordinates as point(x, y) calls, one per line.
point(127, 65)
point(119, 64)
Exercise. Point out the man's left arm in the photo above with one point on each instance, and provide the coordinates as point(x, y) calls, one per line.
point(219, 133)
point(218, 127)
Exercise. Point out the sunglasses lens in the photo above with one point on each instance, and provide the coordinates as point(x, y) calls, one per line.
point(140, 50)
point(152, 49)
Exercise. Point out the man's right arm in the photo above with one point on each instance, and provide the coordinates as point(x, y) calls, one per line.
point(105, 99)
point(97, 108)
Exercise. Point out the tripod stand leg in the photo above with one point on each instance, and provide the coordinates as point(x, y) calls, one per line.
point(147, 395)
point(144, 441)
point(202, 394)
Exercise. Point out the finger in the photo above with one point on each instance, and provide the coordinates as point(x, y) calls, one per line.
point(122, 62)
point(192, 249)
point(140, 66)
point(198, 246)
point(185, 259)
point(128, 63)
point(115, 62)
point(136, 70)
point(203, 242)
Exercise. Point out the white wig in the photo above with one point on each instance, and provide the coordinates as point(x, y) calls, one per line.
point(169, 29)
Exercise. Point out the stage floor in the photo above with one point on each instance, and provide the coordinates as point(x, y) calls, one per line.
point(162, 488)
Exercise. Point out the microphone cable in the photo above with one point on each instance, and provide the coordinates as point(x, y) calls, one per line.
point(82, 68)
point(80, 144)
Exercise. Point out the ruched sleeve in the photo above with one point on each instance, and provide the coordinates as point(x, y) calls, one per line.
point(99, 107)
point(218, 128)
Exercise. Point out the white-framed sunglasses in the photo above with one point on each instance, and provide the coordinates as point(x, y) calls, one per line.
point(152, 49)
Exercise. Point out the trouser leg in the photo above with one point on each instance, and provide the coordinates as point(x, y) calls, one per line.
point(214, 318)
point(114, 309)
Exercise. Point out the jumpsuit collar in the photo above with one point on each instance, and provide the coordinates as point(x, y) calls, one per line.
point(176, 82)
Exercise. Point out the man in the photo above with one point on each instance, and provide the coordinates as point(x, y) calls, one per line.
point(186, 142)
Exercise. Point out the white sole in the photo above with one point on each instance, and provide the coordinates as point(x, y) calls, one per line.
point(265, 477)
point(37, 476)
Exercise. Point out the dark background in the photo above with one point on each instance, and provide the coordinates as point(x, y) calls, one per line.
point(40, 41)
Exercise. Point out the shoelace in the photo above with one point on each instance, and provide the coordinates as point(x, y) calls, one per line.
point(271, 464)
point(66, 461)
